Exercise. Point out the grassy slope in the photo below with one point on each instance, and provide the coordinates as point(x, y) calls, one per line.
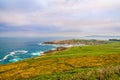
point(99, 61)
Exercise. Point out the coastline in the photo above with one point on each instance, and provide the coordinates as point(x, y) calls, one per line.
point(58, 62)
point(66, 44)
point(56, 46)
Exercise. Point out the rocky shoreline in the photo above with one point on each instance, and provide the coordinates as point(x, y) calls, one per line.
point(81, 41)
point(65, 44)
point(56, 50)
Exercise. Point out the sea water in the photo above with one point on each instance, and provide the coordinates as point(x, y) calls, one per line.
point(16, 49)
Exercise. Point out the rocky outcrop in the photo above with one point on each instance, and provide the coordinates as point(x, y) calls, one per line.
point(48, 43)
point(56, 50)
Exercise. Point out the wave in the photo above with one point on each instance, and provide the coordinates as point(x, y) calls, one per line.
point(15, 60)
point(39, 43)
point(37, 53)
point(21, 51)
point(55, 45)
point(53, 49)
point(14, 52)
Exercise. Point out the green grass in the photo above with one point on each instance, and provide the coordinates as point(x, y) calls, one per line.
point(111, 72)
point(95, 62)
point(89, 50)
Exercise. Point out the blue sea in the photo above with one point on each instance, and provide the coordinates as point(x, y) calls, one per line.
point(16, 49)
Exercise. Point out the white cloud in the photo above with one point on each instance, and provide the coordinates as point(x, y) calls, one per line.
point(14, 18)
point(40, 34)
point(86, 16)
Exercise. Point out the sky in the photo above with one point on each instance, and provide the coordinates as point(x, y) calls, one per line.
point(51, 18)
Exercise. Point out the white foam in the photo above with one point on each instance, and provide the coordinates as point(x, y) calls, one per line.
point(48, 44)
point(15, 60)
point(37, 53)
point(39, 43)
point(53, 49)
point(12, 53)
point(21, 51)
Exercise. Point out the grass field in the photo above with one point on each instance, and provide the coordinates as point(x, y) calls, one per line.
point(95, 62)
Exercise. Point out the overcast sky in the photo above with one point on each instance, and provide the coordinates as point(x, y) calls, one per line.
point(40, 18)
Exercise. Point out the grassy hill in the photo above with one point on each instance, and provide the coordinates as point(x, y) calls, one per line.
point(95, 62)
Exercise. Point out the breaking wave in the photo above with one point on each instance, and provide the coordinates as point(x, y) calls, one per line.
point(14, 52)
point(37, 53)
point(54, 45)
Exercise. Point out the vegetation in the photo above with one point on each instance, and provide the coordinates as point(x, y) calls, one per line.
point(95, 62)
point(114, 39)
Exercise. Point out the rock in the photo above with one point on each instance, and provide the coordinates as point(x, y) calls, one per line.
point(61, 48)
point(57, 49)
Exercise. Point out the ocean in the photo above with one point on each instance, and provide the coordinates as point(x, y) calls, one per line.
point(16, 49)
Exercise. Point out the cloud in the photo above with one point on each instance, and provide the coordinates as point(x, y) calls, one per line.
point(41, 34)
point(61, 16)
